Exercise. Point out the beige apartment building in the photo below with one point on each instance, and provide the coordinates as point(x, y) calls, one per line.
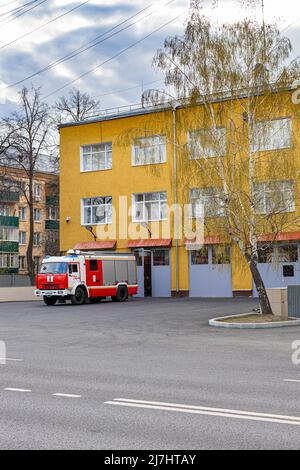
point(14, 219)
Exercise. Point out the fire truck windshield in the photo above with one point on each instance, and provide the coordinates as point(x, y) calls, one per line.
point(54, 268)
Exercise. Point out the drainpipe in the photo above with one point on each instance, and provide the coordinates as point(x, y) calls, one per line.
point(174, 107)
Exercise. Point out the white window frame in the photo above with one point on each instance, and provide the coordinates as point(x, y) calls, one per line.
point(107, 150)
point(52, 213)
point(204, 198)
point(37, 235)
point(25, 213)
point(105, 205)
point(197, 151)
point(5, 211)
point(22, 262)
point(160, 200)
point(158, 144)
point(266, 189)
point(268, 144)
point(11, 234)
point(13, 260)
point(37, 191)
point(22, 237)
point(37, 210)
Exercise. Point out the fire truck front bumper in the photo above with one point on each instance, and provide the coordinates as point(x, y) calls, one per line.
point(51, 293)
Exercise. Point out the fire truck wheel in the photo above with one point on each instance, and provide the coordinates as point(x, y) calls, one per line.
point(80, 296)
point(122, 294)
point(50, 300)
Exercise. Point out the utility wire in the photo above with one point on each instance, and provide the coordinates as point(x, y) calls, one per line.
point(24, 12)
point(82, 49)
point(10, 3)
point(114, 56)
point(127, 89)
point(12, 12)
point(43, 25)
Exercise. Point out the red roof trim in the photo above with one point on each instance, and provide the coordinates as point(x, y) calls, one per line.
point(212, 240)
point(149, 243)
point(282, 236)
point(104, 245)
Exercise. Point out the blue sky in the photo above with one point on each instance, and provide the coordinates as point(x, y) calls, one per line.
point(131, 69)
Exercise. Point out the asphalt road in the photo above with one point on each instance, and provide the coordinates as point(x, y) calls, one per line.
point(182, 384)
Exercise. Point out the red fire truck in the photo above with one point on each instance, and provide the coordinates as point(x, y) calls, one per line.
point(81, 276)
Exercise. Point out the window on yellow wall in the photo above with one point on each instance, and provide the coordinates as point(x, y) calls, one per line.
point(207, 143)
point(149, 150)
point(275, 134)
point(96, 157)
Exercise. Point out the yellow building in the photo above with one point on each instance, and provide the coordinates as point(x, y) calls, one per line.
point(117, 183)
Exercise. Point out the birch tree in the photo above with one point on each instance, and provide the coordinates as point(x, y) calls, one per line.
point(235, 79)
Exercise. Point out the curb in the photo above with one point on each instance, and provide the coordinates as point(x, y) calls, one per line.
point(217, 322)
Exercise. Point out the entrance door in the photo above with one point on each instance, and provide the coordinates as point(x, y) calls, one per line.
point(147, 273)
point(161, 273)
point(154, 273)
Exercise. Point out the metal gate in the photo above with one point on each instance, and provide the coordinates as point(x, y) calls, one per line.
point(281, 267)
point(210, 272)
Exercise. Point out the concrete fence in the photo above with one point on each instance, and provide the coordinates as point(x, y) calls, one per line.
point(17, 294)
point(14, 280)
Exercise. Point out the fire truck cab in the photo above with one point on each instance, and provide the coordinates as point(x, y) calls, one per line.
point(80, 277)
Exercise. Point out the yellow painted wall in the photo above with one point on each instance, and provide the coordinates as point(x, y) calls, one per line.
point(125, 179)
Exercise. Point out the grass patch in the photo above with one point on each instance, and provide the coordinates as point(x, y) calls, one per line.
point(256, 318)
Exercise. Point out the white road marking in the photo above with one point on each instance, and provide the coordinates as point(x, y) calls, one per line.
point(292, 380)
point(65, 395)
point(22, 390)
point(201, 410)
point(10, 359)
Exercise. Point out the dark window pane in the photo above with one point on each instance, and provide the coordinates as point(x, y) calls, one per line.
point(139, 258)
point(220, 254)
point(93, 265)
point(161, 258)
point(200, 256)
point(265, 254)
point(288, 253)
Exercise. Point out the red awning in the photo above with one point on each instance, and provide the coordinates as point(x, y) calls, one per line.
point(212, 240)
point(150, 243)
point(87, 246)
point(282, 236)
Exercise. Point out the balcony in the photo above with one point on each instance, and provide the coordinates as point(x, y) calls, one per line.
point(51, 200)
point(51, 224)
point(9, 196)
point(9, 247)
point(8, 221)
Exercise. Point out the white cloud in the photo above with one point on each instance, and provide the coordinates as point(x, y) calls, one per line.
point(60, 37)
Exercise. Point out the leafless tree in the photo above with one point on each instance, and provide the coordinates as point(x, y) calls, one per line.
point(27, 132)
point(77, 106)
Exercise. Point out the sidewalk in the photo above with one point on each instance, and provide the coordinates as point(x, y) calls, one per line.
point(17, 294)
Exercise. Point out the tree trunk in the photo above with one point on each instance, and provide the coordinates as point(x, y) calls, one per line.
point(30, 262)
point(265, 305)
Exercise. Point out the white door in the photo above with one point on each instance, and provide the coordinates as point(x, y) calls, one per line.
point(161, 273)
point(210, 272)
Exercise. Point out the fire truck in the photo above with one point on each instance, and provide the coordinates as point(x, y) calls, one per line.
point(81, 277)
